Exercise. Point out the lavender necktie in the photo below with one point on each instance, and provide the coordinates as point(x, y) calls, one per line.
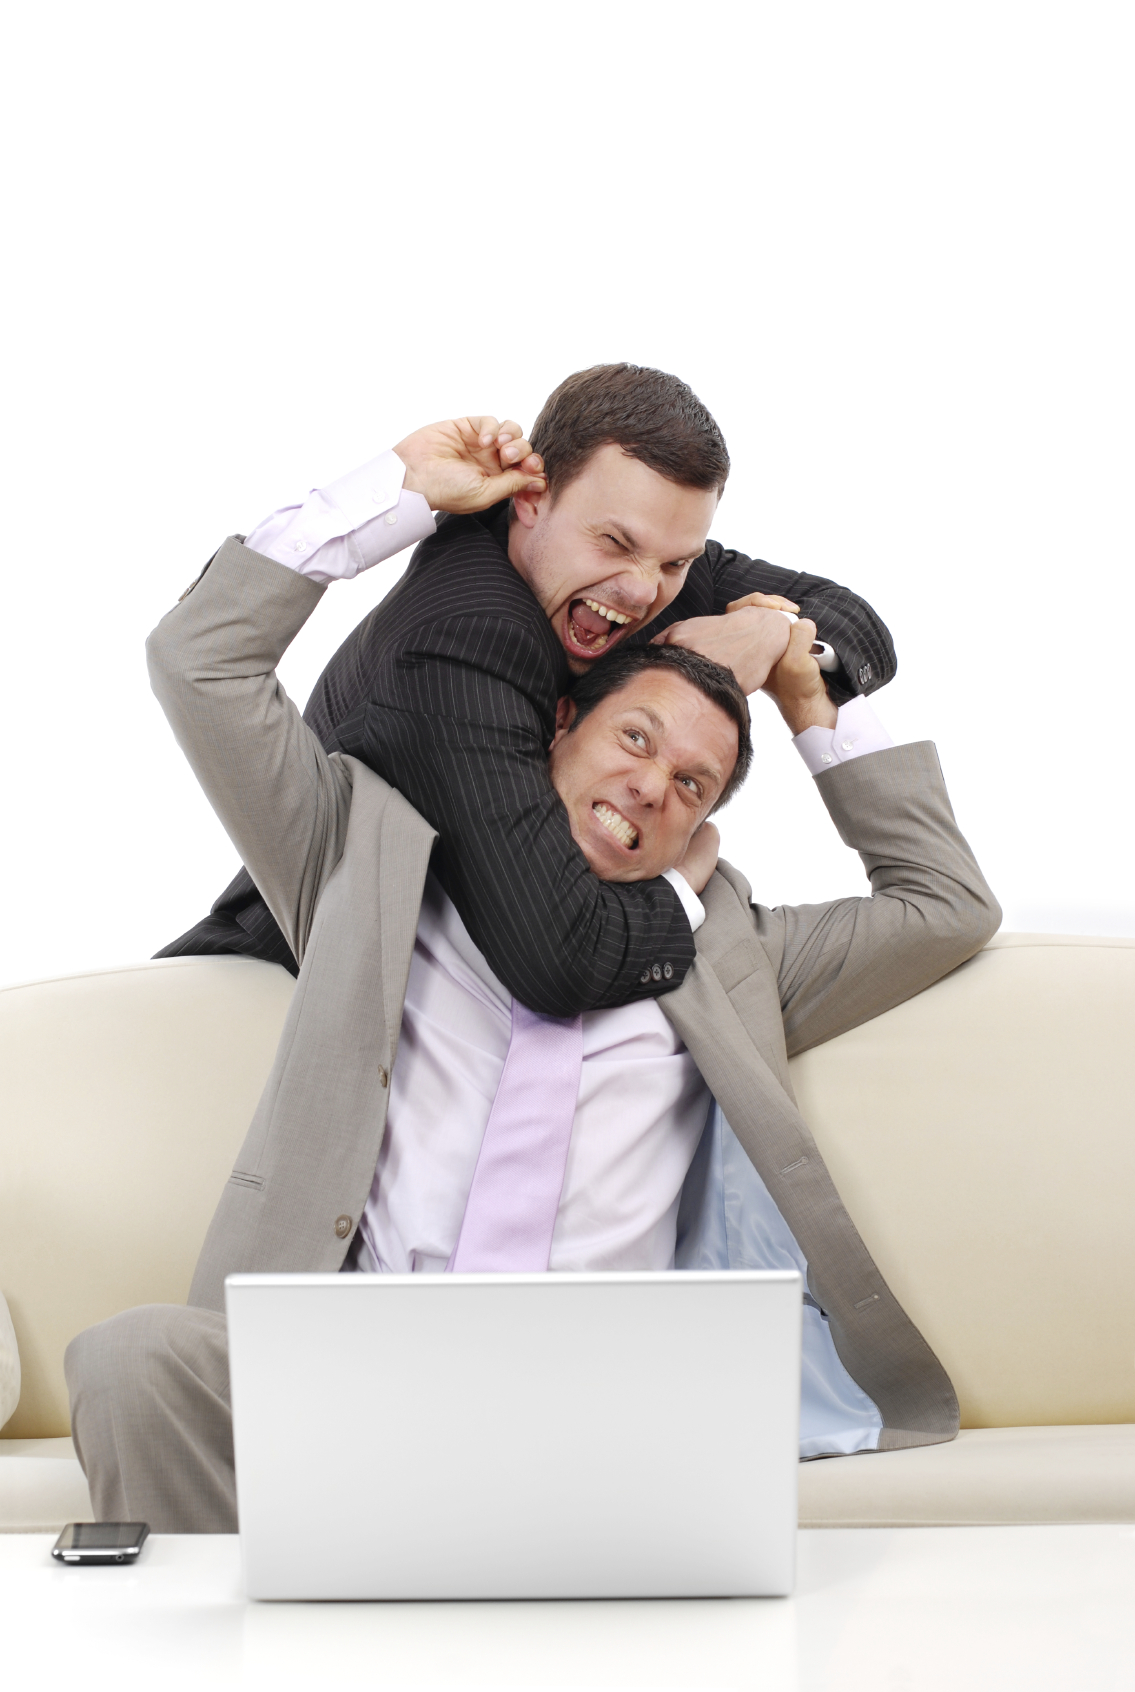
point(511, 1209)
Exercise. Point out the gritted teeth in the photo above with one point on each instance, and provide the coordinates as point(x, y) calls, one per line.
point(616, 825)
point(606, 611)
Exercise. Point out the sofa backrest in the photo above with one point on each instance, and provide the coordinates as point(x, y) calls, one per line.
point(982, 1136)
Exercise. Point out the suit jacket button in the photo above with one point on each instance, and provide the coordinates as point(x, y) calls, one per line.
point(343, 1226)
point(865, 674)
point(656, 972)
point(667, 972)
point(645, 977)
point(383, 1077)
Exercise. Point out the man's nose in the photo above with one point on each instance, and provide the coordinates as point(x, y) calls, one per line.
point(638, 588)
point(647, 783)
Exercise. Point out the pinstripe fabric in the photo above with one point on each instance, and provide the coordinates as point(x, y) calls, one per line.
point(448, 690)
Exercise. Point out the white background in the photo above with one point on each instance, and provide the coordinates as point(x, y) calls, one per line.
point(249, 245)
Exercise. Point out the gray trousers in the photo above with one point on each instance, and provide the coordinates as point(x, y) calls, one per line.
point(151, 1418)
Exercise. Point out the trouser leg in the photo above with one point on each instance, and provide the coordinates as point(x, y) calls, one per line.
point(151, 1418)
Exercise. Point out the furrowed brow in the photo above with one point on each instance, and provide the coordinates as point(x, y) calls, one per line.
point(635, 546)
point(623, 535)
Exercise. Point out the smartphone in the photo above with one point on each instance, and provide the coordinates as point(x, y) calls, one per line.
point(100, 1542)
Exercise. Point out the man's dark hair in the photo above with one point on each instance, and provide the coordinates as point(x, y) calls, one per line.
point(652, 416)
point(718, 684)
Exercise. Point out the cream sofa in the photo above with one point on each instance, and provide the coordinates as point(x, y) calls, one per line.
point(983, 1136)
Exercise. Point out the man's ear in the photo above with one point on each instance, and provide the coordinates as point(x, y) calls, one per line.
point(528, 507)
point(565, 717)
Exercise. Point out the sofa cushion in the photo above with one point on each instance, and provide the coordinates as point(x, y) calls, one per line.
point(986, 1477)
point(42, 1487)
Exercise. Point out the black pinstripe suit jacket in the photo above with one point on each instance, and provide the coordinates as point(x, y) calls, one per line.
point(448, 690)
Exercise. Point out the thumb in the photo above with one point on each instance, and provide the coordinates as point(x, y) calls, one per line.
point(510, 483)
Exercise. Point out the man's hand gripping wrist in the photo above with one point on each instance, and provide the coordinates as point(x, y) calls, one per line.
point(797, 683)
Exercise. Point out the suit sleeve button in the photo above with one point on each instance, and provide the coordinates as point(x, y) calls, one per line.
point(343, 1226)
point(667, 972)
point(656, 972)
point(383, 1077)
point(644, 977)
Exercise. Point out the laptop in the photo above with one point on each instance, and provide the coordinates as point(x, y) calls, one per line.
point(516, 1436)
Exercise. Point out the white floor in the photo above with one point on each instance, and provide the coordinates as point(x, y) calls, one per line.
point(882, 1610)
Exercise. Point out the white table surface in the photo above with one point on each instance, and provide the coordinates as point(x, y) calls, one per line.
point(889, 1610)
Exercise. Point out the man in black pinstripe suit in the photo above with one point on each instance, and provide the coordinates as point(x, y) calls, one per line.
point(448, 689)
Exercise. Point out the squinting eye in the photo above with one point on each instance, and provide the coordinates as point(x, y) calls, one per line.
point(636, 736)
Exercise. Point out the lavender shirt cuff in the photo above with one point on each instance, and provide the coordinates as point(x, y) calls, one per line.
point(857, 731)
point(353, 523)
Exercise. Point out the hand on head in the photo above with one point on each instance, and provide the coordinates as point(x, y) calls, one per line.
point(765, 651)
point(750, 639)
point(470, 463)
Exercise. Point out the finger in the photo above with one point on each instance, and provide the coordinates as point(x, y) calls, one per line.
point(509, 484)
point(513, 452)
point(671, 636)
point(763, 602)
point(509, 431)
point(481, 429)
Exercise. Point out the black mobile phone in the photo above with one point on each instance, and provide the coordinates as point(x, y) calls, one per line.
point(100, 1542)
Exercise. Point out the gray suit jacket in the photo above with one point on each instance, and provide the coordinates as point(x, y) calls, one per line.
point(341, 860)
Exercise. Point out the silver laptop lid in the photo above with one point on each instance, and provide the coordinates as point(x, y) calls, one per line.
point(516, 1436)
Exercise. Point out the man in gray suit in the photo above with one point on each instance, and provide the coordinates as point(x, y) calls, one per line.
point(368, 1150)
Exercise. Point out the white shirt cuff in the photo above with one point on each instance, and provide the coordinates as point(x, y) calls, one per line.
point(857, 731)
point(346, 527)
point(691, 904)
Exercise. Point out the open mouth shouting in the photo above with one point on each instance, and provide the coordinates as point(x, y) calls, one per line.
point(615, 823)
point(591, 627)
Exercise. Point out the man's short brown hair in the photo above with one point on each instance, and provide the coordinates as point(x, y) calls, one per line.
point(654, 417)
point(720, 687)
